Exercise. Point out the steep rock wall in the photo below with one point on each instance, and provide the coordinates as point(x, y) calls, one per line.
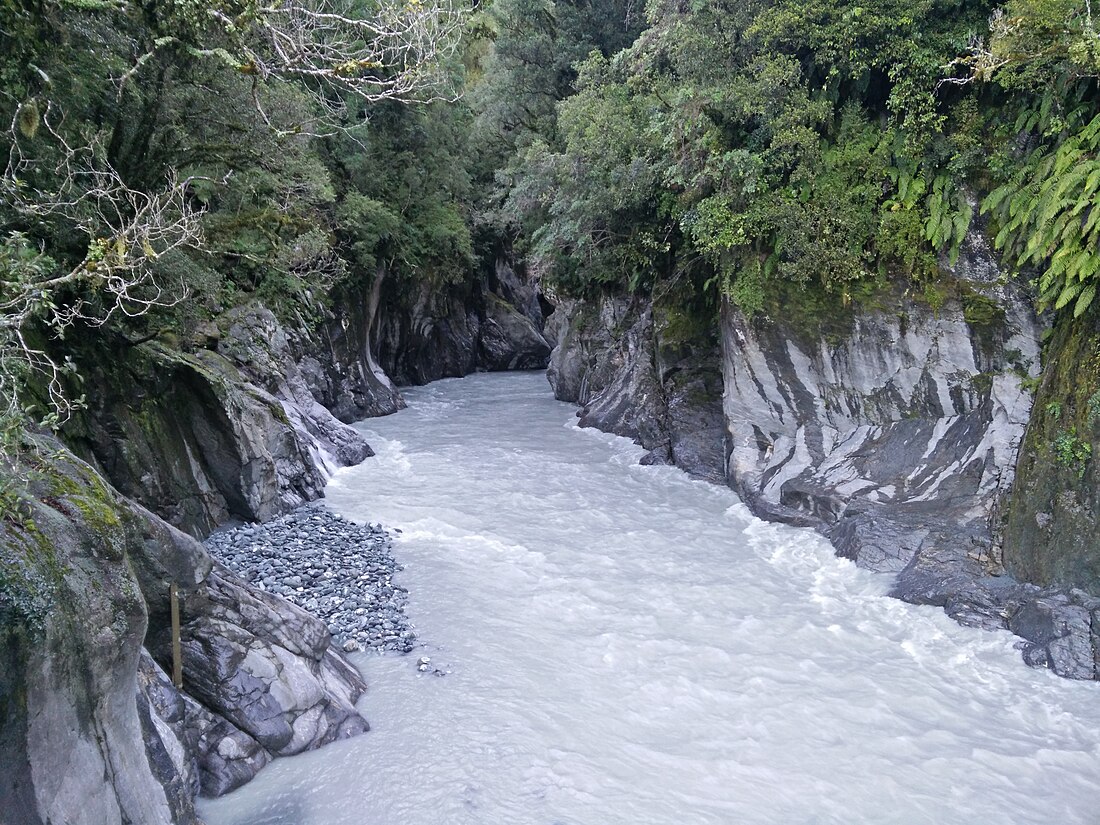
point(494, 323)
point(633, 377)
point(899, 442)
point(893, 429)
point(1053, 532)
point(92, 730)
point(231, 429)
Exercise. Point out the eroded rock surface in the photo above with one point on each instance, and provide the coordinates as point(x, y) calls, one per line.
point(492, 324)
point(632, 378)
point(893, 429)
point(204, 436)
point(93, 730)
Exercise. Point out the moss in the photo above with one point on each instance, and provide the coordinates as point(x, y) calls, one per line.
point(679, 325)
point(980, 310)
point(1052, 533)
point(982, 382)
point(29, 578)
point(816, 314)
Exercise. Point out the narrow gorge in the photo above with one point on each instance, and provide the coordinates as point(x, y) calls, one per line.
point(673, 414)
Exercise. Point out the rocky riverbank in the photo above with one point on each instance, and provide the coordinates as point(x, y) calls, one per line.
point(339, 571)
point(892, 428)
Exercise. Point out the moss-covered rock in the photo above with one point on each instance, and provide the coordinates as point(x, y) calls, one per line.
point(68, 690)
point(200, 437)
point(1052, 534)
point(91, 730)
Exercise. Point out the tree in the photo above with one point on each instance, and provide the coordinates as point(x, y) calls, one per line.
point(93, 199)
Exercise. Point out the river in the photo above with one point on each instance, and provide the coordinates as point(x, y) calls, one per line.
point(626, 646)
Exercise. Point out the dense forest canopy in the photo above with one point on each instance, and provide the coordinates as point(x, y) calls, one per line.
point(823, 144)
point(167, 160)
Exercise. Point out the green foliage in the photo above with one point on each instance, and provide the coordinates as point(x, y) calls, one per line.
point(1049, 217)
point(1072, 452)
point(949, 216)
point(981, 311)
point(797, 141)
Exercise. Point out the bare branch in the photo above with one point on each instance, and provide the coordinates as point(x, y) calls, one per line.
point(126, 231)
point(399, 51)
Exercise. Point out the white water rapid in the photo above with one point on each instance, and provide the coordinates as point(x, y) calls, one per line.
point(631, 647)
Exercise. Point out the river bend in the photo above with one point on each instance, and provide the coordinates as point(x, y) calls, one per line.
point(627, 646)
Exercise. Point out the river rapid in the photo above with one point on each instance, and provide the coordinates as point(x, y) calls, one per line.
point(626, 646)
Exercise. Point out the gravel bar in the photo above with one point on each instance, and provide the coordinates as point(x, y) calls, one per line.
point(337, 570)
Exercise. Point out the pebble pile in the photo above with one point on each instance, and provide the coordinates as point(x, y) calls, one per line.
point(335, 569)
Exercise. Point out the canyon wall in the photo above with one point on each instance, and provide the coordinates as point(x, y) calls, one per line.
point(239, 419)
point(892, 427)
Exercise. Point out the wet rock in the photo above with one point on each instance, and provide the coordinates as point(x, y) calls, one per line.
point(509, 340)
point(163, 713)
point(79, 742)
point(265, 665)
point(634, 378)
point(208, 754)
point(227, 757)
point(492, 323)
point(1060, 636)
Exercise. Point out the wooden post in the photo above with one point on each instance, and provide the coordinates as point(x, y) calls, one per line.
point(177, 655)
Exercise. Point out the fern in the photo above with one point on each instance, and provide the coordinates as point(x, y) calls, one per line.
point(1049, 218)
point(949, 217)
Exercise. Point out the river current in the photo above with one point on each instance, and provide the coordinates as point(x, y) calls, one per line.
point(626, 646)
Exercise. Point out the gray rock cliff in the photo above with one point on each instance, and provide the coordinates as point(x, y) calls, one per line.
point(634, 378)
point(93, 731)
point(429, 333)
point(892, 428)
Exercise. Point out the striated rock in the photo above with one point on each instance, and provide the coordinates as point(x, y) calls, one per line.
point(264, 665)
point(509, 340)
point(897, 440)
point(434, 333)
point(635, 379)
point(163, 711)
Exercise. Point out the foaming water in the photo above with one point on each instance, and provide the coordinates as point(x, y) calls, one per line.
point(629, 646)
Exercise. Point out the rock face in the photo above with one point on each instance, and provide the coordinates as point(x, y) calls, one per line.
point(495, 324)
point(264, 665)
point(213, 434)
point(72, 620)
point(242, 420)
point(892, 430)
point(93, 731)
point(897, 440)
point(1053, 532)
point(632, 377)
point(336, 361)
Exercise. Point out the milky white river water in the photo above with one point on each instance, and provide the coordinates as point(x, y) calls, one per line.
point(630, 647)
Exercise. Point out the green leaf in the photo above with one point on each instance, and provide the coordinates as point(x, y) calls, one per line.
point(1084, 300)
